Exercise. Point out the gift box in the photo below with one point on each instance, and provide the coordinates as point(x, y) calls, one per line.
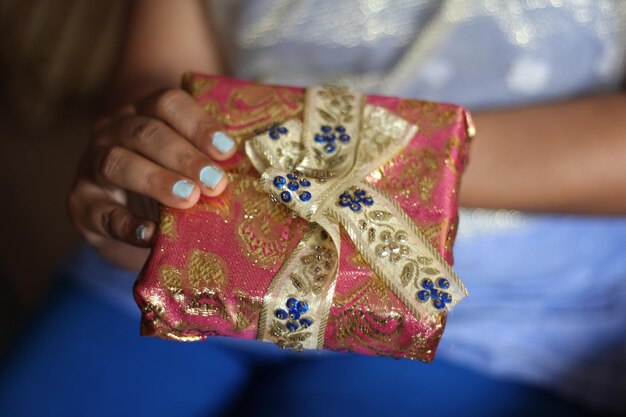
point(334, 232)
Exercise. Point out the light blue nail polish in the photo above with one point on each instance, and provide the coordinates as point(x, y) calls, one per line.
point(182, 189)
point(141, 232)
point(210, 176)
point(222, 142)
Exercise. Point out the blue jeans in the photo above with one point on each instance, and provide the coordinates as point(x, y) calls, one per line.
point(83, 356)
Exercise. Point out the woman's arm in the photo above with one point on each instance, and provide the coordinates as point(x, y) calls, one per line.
point(163, 39)
point(564, 157)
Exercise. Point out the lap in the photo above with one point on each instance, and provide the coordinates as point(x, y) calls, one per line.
point(350, 385)
point(84, 357)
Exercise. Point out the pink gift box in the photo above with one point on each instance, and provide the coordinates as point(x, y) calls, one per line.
point(212, 265)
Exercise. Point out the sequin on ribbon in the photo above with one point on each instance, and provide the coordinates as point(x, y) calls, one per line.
point(355, 198)
point(328, 137)
point(433, 291)
point(393, 245)
point(293, 183)
point(293, 316)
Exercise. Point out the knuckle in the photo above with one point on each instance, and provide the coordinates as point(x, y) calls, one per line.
point(110, 161)
point(106, 222)
point(145, 130)
point(169, 99)
point(188, 159)
point(201, 129)
point(154, 182)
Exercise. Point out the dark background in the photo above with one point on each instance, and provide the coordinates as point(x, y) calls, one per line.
point(55, 60)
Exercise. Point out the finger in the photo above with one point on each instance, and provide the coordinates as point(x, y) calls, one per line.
point(125, 169)
point(179, 110)
point(162, 145)
point(112, 220)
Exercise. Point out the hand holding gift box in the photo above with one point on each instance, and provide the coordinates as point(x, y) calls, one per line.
point(352, 249)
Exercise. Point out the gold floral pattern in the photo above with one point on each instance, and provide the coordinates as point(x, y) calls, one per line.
point(432, 117)
point(356, 324)
point(255, 106)
point(266, 230)
point(420, 171)
point(167, 225)
point(197, 85)
point(206, 270)
point(171, 278)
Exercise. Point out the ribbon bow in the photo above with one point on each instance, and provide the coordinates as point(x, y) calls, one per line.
point(317, 168)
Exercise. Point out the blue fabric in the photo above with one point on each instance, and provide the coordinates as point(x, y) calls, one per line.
point(550, 308)
point(83, 356)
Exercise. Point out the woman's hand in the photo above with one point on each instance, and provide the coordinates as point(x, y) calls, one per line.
point(164, 147)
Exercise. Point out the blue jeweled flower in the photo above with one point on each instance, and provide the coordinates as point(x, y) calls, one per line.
point(434, 292)
point(355, 198)
point(293, 183)
point(294, 314)
point(329, 135)
point(274, 131)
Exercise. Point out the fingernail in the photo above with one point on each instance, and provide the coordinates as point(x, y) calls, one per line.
point(222, 142)
point(182, 189)
point(141, 232)
point(210, 176)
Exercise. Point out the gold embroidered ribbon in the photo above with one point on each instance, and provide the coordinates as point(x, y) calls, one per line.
point(318, 169)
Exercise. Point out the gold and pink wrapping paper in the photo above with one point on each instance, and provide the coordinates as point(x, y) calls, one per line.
point(212, 266)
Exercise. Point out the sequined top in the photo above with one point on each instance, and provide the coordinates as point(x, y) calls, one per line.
point(479, 53)
point(547, 301)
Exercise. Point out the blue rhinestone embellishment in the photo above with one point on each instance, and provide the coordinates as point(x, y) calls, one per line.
point(428, 284)
point(306, 323)
point(294, 314)
point(328, 137)
point(274, 132)
point(281, 314)
point(303, 307)
point(279, 181)
point(293, 183)
point(435, 293)
point(423, 295)
point(355, 199)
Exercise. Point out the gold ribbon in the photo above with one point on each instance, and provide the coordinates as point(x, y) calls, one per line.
point(318, 169)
